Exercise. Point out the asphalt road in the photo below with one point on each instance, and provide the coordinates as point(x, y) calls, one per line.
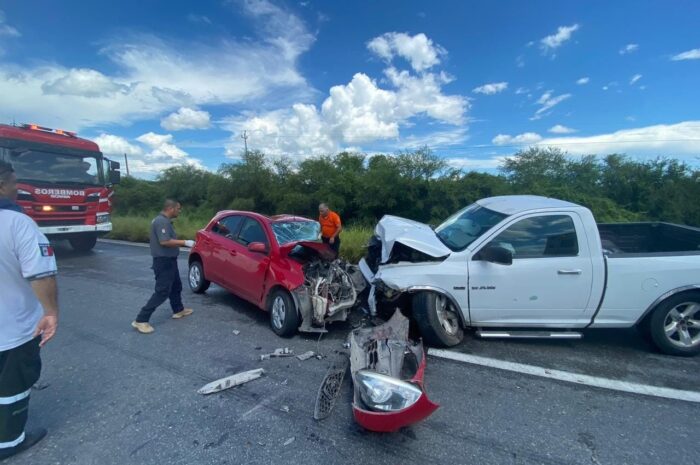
point(113, 396)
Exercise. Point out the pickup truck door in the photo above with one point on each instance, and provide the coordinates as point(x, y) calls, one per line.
point(549, 282)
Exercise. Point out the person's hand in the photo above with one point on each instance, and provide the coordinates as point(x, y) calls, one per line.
point(46, 329)
point(331, 240)
point(189, 243)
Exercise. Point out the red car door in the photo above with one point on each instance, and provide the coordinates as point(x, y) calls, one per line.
point(248, 269)
point(221, 245)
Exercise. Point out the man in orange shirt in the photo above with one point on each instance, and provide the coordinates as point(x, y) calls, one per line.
point(330, 227)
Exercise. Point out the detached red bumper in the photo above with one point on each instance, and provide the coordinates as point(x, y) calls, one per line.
point(387, 350)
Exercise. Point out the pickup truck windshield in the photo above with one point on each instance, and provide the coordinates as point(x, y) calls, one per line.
point(465, 226)
point(294, 231)
point(54, 168)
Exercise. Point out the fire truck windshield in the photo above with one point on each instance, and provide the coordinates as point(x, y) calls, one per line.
point(55, 168)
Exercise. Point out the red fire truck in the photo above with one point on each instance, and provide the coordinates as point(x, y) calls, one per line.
point(64, 182)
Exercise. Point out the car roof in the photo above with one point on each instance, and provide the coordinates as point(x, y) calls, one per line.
point(260, 216)
point(514, 204)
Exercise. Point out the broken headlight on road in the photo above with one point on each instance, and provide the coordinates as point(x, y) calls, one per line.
point(384, 393)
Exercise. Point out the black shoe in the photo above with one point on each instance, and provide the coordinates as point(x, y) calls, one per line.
point(29, 440)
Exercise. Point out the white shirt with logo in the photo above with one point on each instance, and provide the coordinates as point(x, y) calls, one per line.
point(25, 255)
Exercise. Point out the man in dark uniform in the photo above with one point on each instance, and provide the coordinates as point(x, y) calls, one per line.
point(28, 314)
point(165, 247)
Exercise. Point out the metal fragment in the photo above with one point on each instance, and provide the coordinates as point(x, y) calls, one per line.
point(231, 381)
point(281, 352)
point(236, 332)
point(289, 441)
point(330, 388)
point(305, 355)
point(285, 408)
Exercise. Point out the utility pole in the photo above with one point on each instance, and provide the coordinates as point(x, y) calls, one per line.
point(244, 136)
point(126, 162)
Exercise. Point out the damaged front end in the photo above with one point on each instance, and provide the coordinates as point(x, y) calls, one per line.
point(331, 286)
point(387, 372)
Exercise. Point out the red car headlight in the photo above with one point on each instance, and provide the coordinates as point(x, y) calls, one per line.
point(384, 393)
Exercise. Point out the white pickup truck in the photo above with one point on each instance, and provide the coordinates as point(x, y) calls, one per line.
point(528, 266)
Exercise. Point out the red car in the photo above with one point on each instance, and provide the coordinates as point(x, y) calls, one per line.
point(278, 264)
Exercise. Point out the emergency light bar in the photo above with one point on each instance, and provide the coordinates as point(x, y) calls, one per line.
point(60, 132)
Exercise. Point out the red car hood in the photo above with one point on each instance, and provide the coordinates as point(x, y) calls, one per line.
point(324, 251)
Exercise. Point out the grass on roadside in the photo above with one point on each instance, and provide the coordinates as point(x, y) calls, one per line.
point(136, 229)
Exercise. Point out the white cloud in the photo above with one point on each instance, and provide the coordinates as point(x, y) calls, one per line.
point(117, 146)
point(475, 164)
point(491, 88)
point(359, 112)
point(83, 82)
point(419, 50)
point(635, 78)
point(520, 61)
point(160, 153)
point(664, 139)
point(153, 75)
point(629, 48)
point(559, 129)
point(5, 29)
point(547, 102)
point(583, 81)
point(186, 118)
point(521, 90)
point(525, 138)
point(693, 54)
point(550, 43)
point(198, 19)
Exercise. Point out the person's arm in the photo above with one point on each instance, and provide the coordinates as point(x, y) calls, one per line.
point(339, 227)
point(166, 235)
point(176, 243)
point(46, 291)
point(38, 266)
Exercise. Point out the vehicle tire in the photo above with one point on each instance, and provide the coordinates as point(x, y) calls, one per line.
point(195, 278)
point(675, 325)
point(437, 319)
point(284, 319)
point(84, 243)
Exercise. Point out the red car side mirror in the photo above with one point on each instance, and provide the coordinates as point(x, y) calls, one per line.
point(258, 247)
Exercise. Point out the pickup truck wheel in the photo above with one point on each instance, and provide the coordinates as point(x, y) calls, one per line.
point(437, 319)
point(675, 325)
point(195, 278)
point(284, 319)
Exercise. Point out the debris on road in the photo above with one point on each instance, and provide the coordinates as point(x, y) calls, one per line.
point(281, 352)
point(231, 381)
point(285, 408)
point(330, 387)
point(39, 386)
point(381, 360)
point(236, 332)
point(305, 355)
point(289, 441)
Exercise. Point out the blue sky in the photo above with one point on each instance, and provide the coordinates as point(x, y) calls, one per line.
point(178, 82)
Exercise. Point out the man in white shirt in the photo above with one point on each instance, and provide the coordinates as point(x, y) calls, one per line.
point(28, 314)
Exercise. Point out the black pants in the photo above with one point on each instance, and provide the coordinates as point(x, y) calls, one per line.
point(168, 286)
point(19, 370)
point(335, 245)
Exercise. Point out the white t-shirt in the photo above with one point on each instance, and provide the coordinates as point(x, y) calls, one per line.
point(25, 254)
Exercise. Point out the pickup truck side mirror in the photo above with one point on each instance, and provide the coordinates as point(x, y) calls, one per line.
point(496, 254)
point(258, 247)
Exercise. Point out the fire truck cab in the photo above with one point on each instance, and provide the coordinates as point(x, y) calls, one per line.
point(64, 182)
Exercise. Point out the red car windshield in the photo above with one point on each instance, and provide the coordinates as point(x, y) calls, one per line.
point(296, 231)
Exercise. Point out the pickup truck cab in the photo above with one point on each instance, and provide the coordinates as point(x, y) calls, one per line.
point(529, 266)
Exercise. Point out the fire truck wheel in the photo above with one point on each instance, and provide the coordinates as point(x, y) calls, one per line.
point(83, 243)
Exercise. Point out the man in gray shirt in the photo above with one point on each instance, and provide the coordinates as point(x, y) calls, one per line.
point(165, 247)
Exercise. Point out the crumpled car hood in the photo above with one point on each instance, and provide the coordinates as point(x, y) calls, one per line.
point(419, 236)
